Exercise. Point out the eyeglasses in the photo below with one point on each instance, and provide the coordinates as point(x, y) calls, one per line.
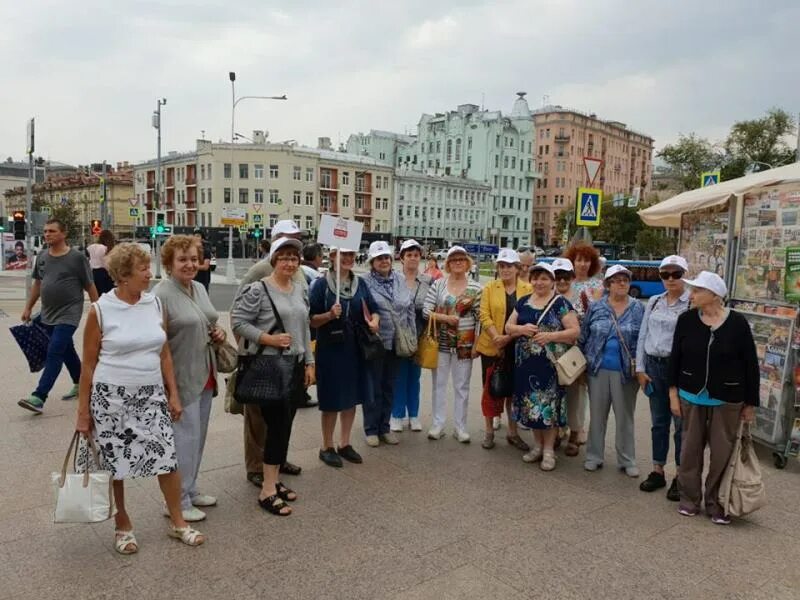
point(619, 280)
point(294, 259)
point(458, 259)
point(670, 275)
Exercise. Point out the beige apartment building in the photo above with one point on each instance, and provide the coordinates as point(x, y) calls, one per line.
point(85, 191)
point(563, 138)
point(277, 181)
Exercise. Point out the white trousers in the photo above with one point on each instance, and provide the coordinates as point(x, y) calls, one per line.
point(190, 439)
point(461, 371)
point(577, 396)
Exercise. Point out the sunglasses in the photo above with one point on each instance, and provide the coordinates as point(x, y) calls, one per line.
point(564, 275)
point(670, 275)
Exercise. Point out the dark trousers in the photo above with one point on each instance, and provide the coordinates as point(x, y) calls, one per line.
point(377, 406)
point(60, 351)
point(717, 427)
point(272, 433)
point(660, 414)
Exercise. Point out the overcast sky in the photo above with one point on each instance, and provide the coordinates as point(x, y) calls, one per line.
point(90, 71)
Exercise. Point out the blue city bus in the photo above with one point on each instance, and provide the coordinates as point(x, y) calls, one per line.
point(645, 281)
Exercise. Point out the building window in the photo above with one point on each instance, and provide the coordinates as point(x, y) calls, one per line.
point(296, 198)
point(377, 183)
point(438, 146)
point(345, 178)
point(382, 155)
point(243, 195)
point(497, 141)
point(272, 220)
point(226, 170)
point(273, 197)
point(202, 171)
point(208, 170)
point(345, 201)
point(243, 171)
point(449, 150)
point(258, 171)
point(469, 143)
point(309, 174)
point(469, 161)
point(226, 195)
point(296, 173)
point(386, 182)
point(273, 171)
point(505, 162)
point(458, 149)
point(309, 198)
point(359, 202)
point(202, 196)
point(309, 223)
point(209, 196)
point(258, 196)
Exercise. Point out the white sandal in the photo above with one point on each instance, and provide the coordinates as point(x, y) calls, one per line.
point(123, 540)
point(187, 535)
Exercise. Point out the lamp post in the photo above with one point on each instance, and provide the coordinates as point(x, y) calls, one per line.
point(158, 183)
point(230, 274)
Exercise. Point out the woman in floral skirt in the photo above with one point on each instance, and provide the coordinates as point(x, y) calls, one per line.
point(544, 325)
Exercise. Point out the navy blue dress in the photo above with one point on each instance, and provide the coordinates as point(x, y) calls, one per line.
point(342, 375)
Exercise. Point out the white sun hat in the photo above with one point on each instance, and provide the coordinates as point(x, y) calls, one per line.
point(709, 281)
point(284, 227)
point(508, 256)
point(673, 260)
point(563, 264)
point(379, 248)
point(616, 270)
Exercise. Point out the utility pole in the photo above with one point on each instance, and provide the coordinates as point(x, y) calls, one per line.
point(797, 154)
point(159, 182)
point(29, 209)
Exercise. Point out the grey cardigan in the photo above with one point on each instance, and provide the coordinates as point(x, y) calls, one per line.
point(187, 334)
point(252, 315)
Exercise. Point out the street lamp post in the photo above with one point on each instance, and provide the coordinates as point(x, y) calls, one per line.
point(230, 274)
point(158, 183)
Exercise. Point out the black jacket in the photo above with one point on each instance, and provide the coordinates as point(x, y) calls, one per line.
point(730, 353)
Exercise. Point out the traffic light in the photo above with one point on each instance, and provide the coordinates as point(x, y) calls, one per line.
point(19, 224)
point(257, 232)
point(97, 226)
point(160, 222)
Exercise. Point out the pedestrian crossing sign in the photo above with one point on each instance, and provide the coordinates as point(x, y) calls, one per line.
point(587, 208)
point(709, 178)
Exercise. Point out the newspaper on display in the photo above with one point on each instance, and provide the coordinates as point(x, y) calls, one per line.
point(705, 239)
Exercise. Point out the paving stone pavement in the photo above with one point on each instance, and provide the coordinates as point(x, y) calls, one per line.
point(416, 521)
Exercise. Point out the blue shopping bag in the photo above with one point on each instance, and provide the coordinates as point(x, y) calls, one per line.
point(33, 339)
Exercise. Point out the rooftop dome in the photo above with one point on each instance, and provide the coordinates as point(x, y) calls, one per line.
point(521, 109)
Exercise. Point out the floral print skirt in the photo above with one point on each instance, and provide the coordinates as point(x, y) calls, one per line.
point(132, 431)
point(538, 399)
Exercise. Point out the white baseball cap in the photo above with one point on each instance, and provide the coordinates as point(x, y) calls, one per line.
point(563, 264)
point(508, 255)
point(709, 281)
point(456, 250)
point(334, 250)
point(410, 244)
point(543, 266)
point(674, 260)
point(285, 227)
point(283, 243)
point(615, 270)
point(379, 248)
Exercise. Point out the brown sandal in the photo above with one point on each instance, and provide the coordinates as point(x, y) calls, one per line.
point(517, 442)
point(572, 449)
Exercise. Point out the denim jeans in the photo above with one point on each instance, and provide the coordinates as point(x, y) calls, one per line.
point(406, 389)
point(661, 415)
point(61, 351)
point(377, 407)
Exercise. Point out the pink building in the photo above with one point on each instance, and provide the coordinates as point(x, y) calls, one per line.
point(563, 138)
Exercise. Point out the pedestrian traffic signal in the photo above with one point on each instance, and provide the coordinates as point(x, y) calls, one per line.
point(257, 232)
point(19, 224)
point(160, 218)
point(97, 226)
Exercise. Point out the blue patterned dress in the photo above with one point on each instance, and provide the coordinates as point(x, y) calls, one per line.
point(538, 399)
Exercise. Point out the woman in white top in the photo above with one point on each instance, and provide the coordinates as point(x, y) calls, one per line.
point(97, 261)
point(122, 401)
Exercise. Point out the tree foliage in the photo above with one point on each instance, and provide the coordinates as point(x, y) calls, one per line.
point(758, 142)
point(66, 213)
point(652, 243)
point(689, 157)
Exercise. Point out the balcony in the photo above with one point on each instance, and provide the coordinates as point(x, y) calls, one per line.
point(328, 184)
point(362, 189)
point(191, 180)
point(331, 208)
point(562, 139)
point(365, 211)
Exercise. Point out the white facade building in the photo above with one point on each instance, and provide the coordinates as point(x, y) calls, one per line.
point(439, 209)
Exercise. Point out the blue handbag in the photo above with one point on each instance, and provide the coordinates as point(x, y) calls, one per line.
point(33, 339)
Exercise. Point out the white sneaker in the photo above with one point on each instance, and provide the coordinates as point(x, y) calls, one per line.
point(631, 471)
point(396, 424)
point(190, 515)
point(204, 500)
point(415, 424)
point(435, 433)
point(496, 423)
point(462, 436)
point(389, 438)
point(373, 441)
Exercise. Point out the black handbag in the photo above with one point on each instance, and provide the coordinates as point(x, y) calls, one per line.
point(501, 383)
point(369, 344)
point(265, 378)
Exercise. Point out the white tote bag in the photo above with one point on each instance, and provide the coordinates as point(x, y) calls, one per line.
point(82, 497)
point(741, 491)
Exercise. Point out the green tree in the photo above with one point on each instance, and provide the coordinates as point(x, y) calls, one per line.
point(618, 224)
point(652, 243)
point(689, 157)
point(756, 141)
point(66, 213)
